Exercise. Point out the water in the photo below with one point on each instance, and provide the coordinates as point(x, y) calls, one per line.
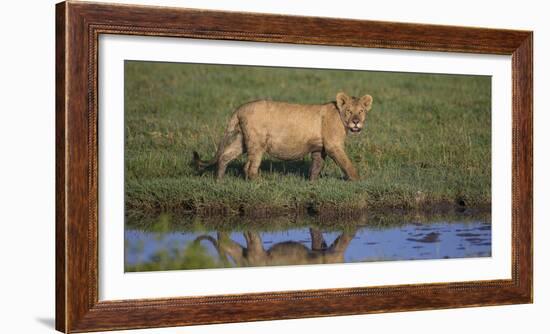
point(167, 246)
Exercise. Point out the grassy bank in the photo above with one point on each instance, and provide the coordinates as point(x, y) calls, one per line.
point(427, 141)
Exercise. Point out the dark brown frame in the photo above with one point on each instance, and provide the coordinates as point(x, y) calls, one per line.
point(78, 25)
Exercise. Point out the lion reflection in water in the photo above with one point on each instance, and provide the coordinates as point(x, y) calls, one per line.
point(283, 253)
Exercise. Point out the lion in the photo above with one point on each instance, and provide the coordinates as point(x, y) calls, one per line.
point(282, 253)
point(288, 131)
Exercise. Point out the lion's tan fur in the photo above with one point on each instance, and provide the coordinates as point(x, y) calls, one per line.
point(281, 253)
point(290, 131)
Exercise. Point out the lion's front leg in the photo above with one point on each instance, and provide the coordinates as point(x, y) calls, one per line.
point(317, 161)
point(341, 158)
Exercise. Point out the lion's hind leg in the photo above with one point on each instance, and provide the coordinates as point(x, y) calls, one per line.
point(253, 164)
point(317, 160)
point(230, 152)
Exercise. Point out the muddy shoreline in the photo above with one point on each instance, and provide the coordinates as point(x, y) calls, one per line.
point(324, 210)
point(328, 218)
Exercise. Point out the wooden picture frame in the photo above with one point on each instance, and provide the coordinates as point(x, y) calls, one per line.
point(78, 26)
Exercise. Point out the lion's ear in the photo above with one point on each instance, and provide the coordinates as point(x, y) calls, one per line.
point(366, 102)
point(341, 100)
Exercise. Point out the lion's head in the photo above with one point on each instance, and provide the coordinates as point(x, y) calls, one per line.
point(353, 110)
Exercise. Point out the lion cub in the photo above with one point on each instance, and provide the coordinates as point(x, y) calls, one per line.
point(290, 131)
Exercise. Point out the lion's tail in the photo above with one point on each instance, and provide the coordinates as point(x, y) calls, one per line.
point(201, 165)
point(206, 237)
point(232, 129)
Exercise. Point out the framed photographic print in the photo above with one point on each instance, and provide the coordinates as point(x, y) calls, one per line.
point(222, 166)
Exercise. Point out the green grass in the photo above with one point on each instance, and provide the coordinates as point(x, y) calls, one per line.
point(427, 140)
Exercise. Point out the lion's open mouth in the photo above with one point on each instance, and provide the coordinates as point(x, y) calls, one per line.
point(355, 129)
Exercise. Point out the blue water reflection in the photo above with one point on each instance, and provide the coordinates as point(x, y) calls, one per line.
point(149, 250)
